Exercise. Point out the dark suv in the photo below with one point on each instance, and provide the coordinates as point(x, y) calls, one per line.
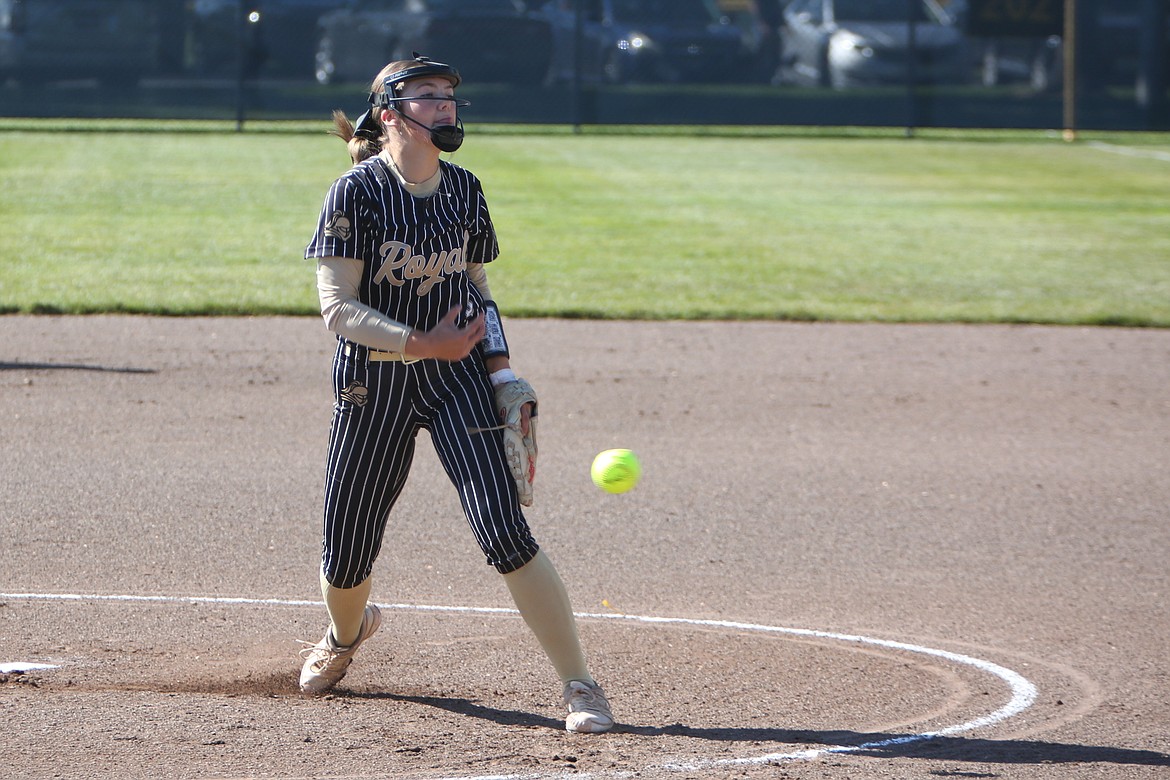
point(624, 41)
point(279, 37)
point(115, 41)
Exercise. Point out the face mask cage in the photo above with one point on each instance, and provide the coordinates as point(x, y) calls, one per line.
point(446, 138)
point(383, 101)
point(421, 68)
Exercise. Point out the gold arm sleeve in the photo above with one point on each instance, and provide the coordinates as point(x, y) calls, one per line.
point(477, 273)
point(338, 279)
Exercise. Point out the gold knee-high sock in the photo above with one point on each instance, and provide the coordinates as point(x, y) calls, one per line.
point(540, 596)
point(347, 607)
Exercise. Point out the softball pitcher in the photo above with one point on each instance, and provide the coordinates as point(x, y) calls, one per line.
point(401, 246)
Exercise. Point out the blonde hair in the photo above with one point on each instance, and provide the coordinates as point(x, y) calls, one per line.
point(359, 148)
point(364, 148)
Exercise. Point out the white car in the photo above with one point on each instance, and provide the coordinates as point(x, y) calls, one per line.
point(847, 43)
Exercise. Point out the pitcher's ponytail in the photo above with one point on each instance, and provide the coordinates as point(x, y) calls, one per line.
point(362, 145)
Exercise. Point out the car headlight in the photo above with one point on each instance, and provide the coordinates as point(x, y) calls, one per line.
point(844, 43)
point(635, 42)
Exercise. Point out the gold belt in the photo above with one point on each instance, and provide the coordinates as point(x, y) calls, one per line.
point(375, 356)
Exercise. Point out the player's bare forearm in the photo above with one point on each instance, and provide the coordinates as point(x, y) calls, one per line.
point(497, 363)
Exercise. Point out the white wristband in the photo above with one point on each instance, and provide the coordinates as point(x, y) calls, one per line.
point(502, 376)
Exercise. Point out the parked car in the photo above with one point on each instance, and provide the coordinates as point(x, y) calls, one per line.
point(1038, 62)
point(759, 25)
point(845, 43)
point(115, 41)
point(646, 41)
point(486, 40)
point(1110, 39)
point(276, 38)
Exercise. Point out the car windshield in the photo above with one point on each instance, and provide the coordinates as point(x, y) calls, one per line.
point(880, 11)
point(658, 11)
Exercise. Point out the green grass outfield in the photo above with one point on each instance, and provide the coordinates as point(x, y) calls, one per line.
point(758, 223)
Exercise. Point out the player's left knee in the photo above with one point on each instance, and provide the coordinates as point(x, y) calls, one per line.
point(514, 560)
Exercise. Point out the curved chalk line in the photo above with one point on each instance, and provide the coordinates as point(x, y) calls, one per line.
point(1023, 692)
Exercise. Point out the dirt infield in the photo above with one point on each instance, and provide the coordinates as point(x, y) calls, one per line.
point(886, 552)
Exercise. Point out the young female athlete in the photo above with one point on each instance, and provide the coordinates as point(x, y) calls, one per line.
point(401, 245)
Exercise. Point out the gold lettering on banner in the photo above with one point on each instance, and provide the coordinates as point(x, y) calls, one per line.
point(400, 263)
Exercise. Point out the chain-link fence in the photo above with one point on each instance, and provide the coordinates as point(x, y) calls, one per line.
point(1089, 64)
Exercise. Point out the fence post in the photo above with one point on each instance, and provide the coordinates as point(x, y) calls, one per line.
point(911, 68)
point(1070, 70)
point(241, 63)
point(578, 61)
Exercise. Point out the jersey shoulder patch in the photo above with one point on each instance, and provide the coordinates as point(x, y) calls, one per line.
point(337, 225)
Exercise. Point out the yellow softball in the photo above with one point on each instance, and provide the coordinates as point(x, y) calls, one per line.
point(616, 471)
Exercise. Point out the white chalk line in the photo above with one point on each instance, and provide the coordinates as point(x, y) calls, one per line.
point(22, 667)
point(1129, 151)
point(1023, 692)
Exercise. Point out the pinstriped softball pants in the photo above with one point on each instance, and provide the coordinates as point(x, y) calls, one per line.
point(379, 407)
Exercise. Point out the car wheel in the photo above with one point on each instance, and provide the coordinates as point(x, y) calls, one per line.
point(1045, 71)
point(825, 77)
point(838, 79)
point(989, 72)
point(325, 68)
point(1039, 78)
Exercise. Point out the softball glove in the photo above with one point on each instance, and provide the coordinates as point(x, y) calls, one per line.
point(519, 449)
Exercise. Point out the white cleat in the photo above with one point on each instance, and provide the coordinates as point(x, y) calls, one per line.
point(326, 662)
point(589, 711)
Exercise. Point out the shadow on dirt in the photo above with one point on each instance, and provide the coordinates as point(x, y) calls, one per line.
point(874, 745)
point(10, 366)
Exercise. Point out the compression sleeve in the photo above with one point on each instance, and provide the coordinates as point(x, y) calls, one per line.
point(338, 279)
point(477, 274)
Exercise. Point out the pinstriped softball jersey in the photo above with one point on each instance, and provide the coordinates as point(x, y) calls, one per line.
point(415, 253)
point(415, 250)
